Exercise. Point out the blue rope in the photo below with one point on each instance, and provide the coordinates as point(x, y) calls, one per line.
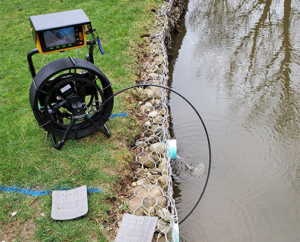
point(119, 115)
point(38, 193)
point(100, 46)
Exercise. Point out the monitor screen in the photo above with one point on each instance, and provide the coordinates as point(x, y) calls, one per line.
point(59, 37)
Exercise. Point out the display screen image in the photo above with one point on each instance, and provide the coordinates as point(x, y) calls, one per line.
point(59, 37)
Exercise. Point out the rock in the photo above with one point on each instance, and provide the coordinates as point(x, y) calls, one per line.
point(133, 184)
point(157, 90)
point(140, 90)
point(143, 108)
point(141, 172)
point(152, 212)
point(139, 183)
point(155, 237)
point(162, 112)
point(157, 102)
point(153, 102)
point(153, 114)
point(163, 164)
point(164, 214)
point(155, 176)
point(156, 192)
point(147, 161)
point(151, 180)
point(154, 76)
point(147, 123)
point(141, 192)
point(156, 128)
point(148, 105)
point(163, 181)
point(160, 213)
point(162, 202)
point(155, 157)
point(157, 119)
point(177, 10)
point(142, 158)
point(134, 203)
point(149, 92)
point(156, 82)
point(158, 147)
point(140, 144)
point(163, 227)
point(159, 60)
point(155, 171)
point(140, 211)
point(158, 237)
point(149, 202)
point(165, 172)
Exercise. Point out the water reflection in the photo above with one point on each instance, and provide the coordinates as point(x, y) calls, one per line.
point(260, 42)
point(239, 65)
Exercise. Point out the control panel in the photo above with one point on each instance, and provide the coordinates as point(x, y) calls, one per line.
point(59, 31)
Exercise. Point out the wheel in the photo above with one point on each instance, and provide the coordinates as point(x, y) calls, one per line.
point(67, 89)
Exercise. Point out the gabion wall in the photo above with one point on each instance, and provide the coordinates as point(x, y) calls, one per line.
point(151, 194)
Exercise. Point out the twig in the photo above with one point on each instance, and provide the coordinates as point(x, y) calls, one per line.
point(126, 194)
point(46, 136)
point(71, 173)
point(23, 138)
point(38, 169)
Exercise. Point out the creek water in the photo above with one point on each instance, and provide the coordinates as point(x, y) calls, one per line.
point(238, 63)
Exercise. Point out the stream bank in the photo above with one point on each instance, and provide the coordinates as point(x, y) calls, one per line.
point(151, 192)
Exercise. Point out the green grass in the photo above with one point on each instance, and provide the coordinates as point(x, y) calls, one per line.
point(95, 161)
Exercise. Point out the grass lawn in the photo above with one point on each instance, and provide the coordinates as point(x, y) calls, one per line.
point(27, 158)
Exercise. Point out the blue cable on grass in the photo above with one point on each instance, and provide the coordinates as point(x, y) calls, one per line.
point(42, 193)
point(119, 115)
point(38, 193)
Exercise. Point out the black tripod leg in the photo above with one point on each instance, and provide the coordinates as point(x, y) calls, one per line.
point(66, 134)
point(103, 129)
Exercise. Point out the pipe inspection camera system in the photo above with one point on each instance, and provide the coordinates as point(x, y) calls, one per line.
point(71, 97)
point(66, 95)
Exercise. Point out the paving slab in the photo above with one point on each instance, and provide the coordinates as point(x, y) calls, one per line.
point(69, 204)
point(135, 228)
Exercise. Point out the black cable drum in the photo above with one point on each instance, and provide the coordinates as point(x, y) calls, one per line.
point(88, 84)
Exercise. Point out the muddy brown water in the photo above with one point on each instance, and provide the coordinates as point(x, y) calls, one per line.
point(238, 63)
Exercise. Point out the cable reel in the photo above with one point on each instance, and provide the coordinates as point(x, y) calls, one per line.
point(66, 95)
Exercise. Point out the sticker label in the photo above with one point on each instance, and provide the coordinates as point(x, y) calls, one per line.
point(65, 88)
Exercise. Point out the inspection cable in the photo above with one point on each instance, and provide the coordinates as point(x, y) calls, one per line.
point(39, 91)
point(205, 129)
